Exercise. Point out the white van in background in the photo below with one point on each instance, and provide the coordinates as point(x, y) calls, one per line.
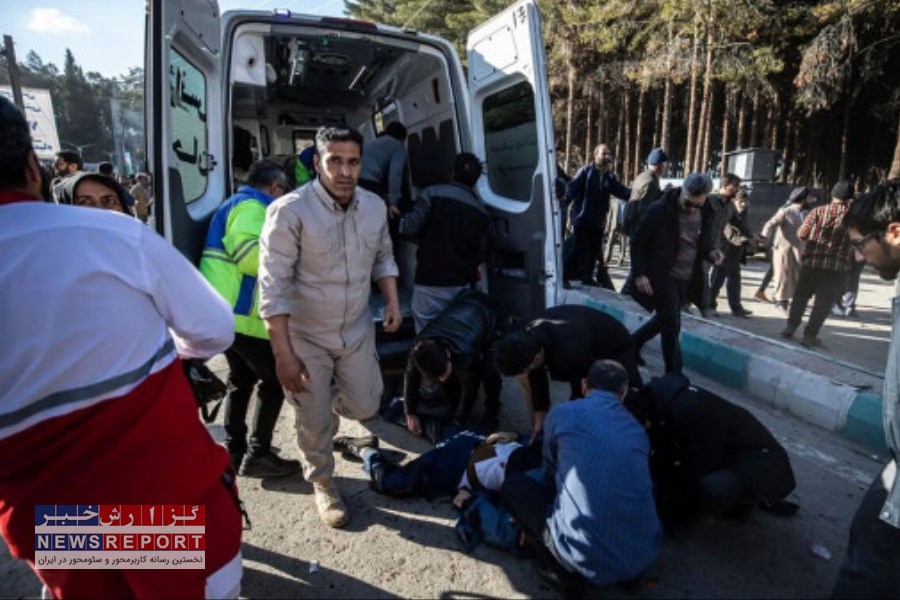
point(222, 90)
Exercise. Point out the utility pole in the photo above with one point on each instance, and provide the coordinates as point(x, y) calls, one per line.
point(14, 80)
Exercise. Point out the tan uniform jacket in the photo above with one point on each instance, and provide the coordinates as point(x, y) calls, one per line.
point(317, 262)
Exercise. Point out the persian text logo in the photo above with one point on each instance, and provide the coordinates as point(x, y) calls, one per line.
point(120, 536)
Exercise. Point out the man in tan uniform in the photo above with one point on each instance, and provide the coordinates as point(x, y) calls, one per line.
point(143, 197)
point(320, 247)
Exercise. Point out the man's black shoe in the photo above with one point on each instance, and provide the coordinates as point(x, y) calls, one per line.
point(570, 585)
point(353, 446)
point(264, 466)
point(742, 313)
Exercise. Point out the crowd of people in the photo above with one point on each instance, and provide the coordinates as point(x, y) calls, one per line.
point(672, 269)
point(96, 400)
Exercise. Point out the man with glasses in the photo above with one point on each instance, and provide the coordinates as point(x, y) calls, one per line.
point(230, 262)
point(872, 566)
point(589, 194)
point(825, 262)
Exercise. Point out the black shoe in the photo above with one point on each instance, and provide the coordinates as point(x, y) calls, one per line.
point(570, 585)
point(353, 446)
point(782, 508)
point(788, 332)
point(264, 466)
point(742, 313)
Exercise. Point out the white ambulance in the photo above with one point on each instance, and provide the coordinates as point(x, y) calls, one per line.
point(223, 90)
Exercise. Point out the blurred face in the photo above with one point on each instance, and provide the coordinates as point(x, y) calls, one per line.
point(338, 169)
point(741, 204)
point(94, 194)
point(661, 168)
point(881, 250)
point(278, 189)
point(602, 155)
point(730, 189)
point(695, 200)
point(64, 168)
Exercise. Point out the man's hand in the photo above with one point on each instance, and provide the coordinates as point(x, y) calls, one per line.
point(503, 437)
point(643, 285)
point(537, 422)
point(392, 318)
point(292, 373)
point(413, 424)
point(716, 257)
point(393, 212)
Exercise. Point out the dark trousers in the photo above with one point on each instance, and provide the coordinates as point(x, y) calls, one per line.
point(871, 568)
point(826, 285)
point(851, 283)
point(588, 253)
point(666, 321)
point(730, 269)
point(250, 360)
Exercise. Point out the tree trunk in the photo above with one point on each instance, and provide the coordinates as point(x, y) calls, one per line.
point(895, 164)
point(845, 135)
point(786, 152)
point(601, 116)
point(657, 123)
point(571, 75)
point(617, 149)
point(741, 120)
point(588, 120)
point(626, 134)
point(754, 120)
point(772, 124)
point(707, 131)
point(795, 158)
point(668, 92)
point(700, 153)
point(638, 133)
point(692, 104)
point(726, 125)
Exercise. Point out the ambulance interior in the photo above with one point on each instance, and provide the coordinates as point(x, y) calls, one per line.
point(285, 85)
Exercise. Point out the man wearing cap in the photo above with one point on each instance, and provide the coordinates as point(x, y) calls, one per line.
point(825, 262)
point(645, 189)
point(589, 194)
point(871, 568)
point(667, 251)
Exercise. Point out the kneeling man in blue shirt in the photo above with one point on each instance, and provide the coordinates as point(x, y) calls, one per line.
point(598, 521)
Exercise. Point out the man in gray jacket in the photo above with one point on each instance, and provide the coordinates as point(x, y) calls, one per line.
point(320, 247)
point(872, 566)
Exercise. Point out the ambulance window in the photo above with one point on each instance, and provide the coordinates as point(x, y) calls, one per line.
point(187, 87)
point(510, 132)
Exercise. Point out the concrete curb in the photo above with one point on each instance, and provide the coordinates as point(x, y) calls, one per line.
point(812, 396)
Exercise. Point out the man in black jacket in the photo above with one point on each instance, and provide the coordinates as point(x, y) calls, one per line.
point(667, 251)
point(450, 357)
point(709, 456)
point(452, 225)
point(561, 343)
point(729, 221)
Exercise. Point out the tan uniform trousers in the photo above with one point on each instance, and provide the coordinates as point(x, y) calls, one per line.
point(359, 386)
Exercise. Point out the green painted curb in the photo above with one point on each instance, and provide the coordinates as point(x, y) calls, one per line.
point(717, 361)
point(864, 421)
point(618, 313)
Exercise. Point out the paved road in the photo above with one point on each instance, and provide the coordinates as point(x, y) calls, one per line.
point(409, 549)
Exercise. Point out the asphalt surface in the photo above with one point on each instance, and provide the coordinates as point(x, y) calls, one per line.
point(408, 548)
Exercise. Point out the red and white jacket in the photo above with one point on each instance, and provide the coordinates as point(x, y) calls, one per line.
point(95, 309)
